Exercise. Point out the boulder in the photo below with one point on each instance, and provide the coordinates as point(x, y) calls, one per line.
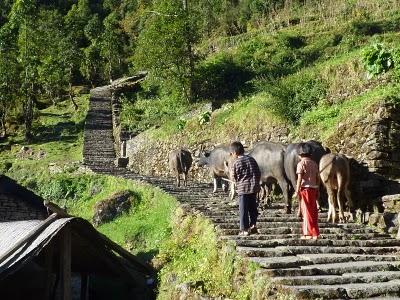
point(112, 207)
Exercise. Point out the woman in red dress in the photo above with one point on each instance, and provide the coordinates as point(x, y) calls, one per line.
point(307, 190)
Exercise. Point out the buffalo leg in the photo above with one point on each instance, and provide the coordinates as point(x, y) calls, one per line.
point(231, 190)
point(332, 206)
point(184, 178)
point(285, 190)
point(340, 194)
point(215, 184)
point(348, 197)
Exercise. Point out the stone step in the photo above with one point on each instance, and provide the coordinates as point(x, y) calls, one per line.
point(319, 242)
point(335, 268)
point(348, 291)
point(300, 260)
point(296, 250)
point(346, 278)
point(294, 230)
point(332, 236)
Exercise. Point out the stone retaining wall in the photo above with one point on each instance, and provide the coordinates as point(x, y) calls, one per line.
point(372, 139)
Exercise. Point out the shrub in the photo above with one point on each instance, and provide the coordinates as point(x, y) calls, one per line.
point(377, 59)
point(294, 95)
point(221, 78)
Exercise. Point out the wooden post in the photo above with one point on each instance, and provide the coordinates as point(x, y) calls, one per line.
point(65, 263)
point(49, 256)
point(84, 286)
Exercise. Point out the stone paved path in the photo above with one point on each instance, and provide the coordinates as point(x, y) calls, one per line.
point(351, 261)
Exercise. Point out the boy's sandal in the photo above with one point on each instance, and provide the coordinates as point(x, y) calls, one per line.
point(254, 229)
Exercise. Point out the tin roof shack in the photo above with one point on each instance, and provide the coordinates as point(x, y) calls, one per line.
point(61, 256)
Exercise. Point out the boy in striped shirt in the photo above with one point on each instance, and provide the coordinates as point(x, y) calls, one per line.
point(246, 175)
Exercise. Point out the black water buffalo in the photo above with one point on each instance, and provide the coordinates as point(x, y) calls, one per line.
point(180, 161)
point(291, 160)
point(215, 161)
point(269, 157)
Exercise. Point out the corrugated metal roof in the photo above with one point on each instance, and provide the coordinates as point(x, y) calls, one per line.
point(12, 232)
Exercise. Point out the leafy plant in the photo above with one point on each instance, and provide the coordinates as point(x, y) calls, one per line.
point(181, 124)
point(204, 118)
point(377, 59)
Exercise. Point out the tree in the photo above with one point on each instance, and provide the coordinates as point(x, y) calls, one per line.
point(9, 70)
point(165, 46)
point(23, 17)
point(53, 69)
point(91, 62)
point(112, 45)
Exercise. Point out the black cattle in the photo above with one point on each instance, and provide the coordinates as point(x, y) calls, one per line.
point(180, 161)
point(215, 161)
point(291, 160)
point(269, 157)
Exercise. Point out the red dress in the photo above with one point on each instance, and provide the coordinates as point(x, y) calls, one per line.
point(310, 211)
point(309, 193)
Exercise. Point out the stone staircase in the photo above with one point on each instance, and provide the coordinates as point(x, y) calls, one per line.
point(98, 146)
point(350, 261)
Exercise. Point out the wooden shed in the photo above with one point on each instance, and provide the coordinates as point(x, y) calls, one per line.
point(61, 256)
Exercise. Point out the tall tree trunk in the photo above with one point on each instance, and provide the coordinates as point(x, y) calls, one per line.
point(28, 114)
point(70, 92)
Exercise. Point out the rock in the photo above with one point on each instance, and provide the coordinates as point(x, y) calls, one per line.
point(25, 152)
point(112, 207)
point(55, 169)
point(41, 154)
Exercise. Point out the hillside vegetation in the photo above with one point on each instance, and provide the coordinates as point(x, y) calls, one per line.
point(307, 75)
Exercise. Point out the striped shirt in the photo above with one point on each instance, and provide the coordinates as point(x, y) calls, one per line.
point(247, 175)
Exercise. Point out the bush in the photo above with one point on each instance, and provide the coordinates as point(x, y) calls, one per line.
point(377, 59)
point(221, 78)
point(294, 95)
point(63, 186)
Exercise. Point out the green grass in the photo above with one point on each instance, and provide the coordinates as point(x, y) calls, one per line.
point(322, 122)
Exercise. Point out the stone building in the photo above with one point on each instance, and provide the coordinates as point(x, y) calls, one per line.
point(47, 254)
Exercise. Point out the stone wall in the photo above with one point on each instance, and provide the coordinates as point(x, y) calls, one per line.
point(14, 209)
point(149, 156)
point(373, 139)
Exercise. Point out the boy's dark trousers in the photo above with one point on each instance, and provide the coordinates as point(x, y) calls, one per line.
point(247, 208)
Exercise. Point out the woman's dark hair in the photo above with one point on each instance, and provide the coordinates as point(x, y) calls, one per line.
point(305, 149)
point(237, 147)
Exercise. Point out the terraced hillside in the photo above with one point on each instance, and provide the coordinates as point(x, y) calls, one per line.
point(350, 261)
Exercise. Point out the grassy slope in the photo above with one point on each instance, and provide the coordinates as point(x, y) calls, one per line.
point(334, 80)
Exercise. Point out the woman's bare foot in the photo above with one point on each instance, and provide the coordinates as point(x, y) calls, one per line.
point(315, 237)
point(305, 237)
